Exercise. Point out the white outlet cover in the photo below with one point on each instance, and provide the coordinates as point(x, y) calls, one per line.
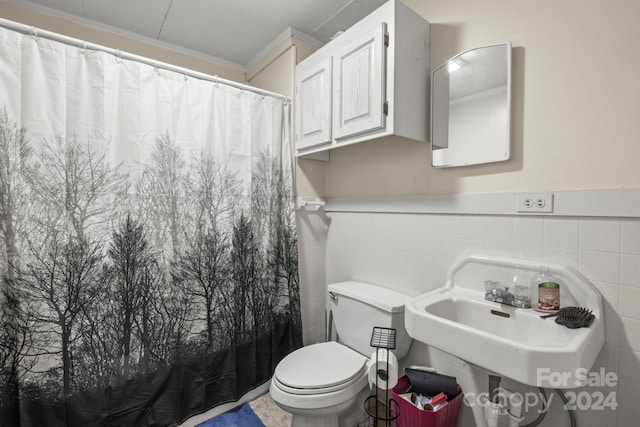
point(535, 203)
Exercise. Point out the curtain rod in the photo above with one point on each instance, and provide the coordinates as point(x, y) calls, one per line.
point(36, 32)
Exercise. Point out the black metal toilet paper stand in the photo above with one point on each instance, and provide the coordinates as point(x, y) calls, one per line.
point(382, 339)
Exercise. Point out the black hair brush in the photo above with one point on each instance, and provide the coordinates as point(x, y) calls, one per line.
point(573, 317)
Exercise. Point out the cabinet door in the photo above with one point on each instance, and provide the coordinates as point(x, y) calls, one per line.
point(359, 93)
point(313, 102)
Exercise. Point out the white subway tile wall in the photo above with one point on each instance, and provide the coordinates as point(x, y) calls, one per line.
point(562, 234)
point(413, 252)
point(630, 270)
point(601, 236)
point(630, 238)
point(312, 241)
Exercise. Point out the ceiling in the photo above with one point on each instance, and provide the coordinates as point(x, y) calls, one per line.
point(235, 31)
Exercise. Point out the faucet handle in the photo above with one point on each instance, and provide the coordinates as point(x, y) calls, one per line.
point(498, 293)
point(490, 285)
point(521, 291)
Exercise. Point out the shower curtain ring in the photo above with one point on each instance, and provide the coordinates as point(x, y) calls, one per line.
point(83, 48)
point(34, 32)
point(215, 80)
point(118, 56)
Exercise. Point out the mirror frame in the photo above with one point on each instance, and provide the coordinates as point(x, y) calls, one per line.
point(507, 152)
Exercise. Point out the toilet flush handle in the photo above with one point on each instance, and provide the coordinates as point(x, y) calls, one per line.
point(333, 297)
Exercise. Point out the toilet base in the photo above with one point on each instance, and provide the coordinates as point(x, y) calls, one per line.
point(348, 415)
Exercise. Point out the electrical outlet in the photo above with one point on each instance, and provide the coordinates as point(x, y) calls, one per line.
point(535, 203)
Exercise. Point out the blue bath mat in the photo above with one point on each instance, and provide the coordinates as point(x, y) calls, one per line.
point(243, 417)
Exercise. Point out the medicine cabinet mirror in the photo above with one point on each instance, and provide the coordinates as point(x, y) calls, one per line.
point(470, 104)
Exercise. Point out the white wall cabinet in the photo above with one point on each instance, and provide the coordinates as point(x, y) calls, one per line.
point(313, 102)
point(359, 71)
point(370, 82)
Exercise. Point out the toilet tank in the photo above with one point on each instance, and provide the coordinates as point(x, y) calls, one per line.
point(359, 307)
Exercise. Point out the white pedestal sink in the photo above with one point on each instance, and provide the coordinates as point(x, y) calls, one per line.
point(512, 342)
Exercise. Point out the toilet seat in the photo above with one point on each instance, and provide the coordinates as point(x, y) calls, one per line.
point(319, 379)
point(320, 368)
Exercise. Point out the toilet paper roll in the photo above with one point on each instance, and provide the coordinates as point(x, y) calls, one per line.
point(385, 374)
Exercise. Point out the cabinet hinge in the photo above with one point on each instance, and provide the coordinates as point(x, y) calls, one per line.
point(385, 108)
point(386, 39)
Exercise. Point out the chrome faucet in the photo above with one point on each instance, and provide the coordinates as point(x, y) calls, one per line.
point(496, 293)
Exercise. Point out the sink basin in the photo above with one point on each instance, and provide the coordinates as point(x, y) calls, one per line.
point(508, 341)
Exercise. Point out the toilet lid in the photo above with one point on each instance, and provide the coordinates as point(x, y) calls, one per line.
point(319, 366)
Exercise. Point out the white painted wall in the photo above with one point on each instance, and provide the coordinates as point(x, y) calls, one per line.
point(575, 105)
point(275, 71)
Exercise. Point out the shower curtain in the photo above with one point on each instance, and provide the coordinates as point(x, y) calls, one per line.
point(148, 257)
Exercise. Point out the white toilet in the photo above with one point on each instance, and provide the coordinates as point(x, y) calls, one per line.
point(318, 382)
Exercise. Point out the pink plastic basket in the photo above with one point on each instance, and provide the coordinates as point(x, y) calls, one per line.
point(410, 416)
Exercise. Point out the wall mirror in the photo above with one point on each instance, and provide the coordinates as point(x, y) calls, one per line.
point(470, 104)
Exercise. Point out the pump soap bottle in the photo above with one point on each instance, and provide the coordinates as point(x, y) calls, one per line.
point(548, 292)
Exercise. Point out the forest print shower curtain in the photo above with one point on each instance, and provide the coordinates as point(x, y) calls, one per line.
point(148, 258)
